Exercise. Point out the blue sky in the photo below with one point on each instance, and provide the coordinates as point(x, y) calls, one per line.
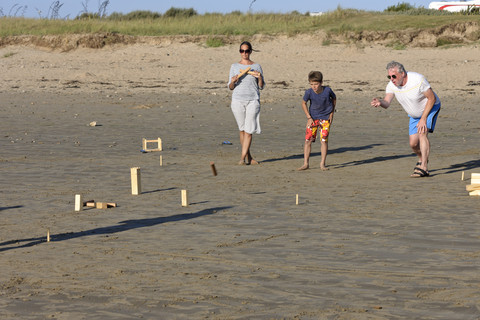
point(72, 8)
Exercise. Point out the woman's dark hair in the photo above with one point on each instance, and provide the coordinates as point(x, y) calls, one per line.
point(248, 44)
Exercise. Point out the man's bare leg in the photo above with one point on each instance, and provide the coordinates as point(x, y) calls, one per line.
point(421, 147)
point(415, 145)
point(424, 150)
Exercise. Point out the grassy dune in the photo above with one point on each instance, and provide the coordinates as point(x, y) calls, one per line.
point(335, 22)
point(396, 29)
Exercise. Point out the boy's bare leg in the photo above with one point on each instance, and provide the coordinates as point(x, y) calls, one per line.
point(306, 155)
point(324, 149)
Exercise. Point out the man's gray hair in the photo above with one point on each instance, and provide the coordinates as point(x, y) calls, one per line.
point(395, 64)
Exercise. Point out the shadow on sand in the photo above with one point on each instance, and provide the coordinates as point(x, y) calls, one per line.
point(122, 226)
point(331, 151)
point(12, 207)
point(464, 166)
point(373, 160)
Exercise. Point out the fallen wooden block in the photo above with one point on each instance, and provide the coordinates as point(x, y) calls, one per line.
point(473, 187)
point(101, 205)
point(105, 205)
point(89, 203)
point(475, 193)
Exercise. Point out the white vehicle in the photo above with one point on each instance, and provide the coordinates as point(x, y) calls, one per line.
point(453, 6)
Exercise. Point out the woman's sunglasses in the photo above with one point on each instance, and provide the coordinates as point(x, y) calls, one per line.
point(245, 51)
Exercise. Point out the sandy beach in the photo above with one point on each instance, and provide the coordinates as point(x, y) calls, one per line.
point(365, 241)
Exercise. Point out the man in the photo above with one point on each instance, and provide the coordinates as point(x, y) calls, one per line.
point(417, 98)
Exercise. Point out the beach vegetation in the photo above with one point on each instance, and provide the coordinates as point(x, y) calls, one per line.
point(326, 42)
point(180, 21)
point(397, 45)
point(214, 42)
point(9, 54)
point(401, 6)
point(448, 41)
point(471, 10)
point(180, 12)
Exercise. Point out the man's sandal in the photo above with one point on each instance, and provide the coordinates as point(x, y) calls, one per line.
point(419, 173)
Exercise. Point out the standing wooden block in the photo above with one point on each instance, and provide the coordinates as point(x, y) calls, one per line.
point(463, 175)
point(136, 180)
point(78, 202)
point(296, 199)
point(475, 179)
point(48, 235)
point(161, 161)
point(184, 198)
point(214, 170)
point(159, 144)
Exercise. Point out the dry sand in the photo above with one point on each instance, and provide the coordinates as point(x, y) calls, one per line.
point(366, 241)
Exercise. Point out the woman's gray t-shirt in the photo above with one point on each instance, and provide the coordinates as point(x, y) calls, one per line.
point(246, 88)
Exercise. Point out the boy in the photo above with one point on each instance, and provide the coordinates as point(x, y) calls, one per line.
point(319, 116)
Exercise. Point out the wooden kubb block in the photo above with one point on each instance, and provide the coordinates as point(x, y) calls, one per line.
point(475, 178)
point(101, 205)
point(145, 143)
point(136, 180)
point(474, 188)
point(78, 202)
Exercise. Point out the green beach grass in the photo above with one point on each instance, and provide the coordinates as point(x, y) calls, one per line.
point(336, 22)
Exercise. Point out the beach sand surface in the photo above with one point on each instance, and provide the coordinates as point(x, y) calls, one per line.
point(365, 240)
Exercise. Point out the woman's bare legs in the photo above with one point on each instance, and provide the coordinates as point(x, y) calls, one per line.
point(246, 142)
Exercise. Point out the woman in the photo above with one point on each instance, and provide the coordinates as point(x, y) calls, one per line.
point(246, 81)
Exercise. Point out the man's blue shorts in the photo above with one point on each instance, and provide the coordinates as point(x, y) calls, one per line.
point(431, 120)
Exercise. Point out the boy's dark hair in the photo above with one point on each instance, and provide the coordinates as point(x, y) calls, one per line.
point(315, 76)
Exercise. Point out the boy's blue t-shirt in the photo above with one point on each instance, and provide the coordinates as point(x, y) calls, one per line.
point(321, 104)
